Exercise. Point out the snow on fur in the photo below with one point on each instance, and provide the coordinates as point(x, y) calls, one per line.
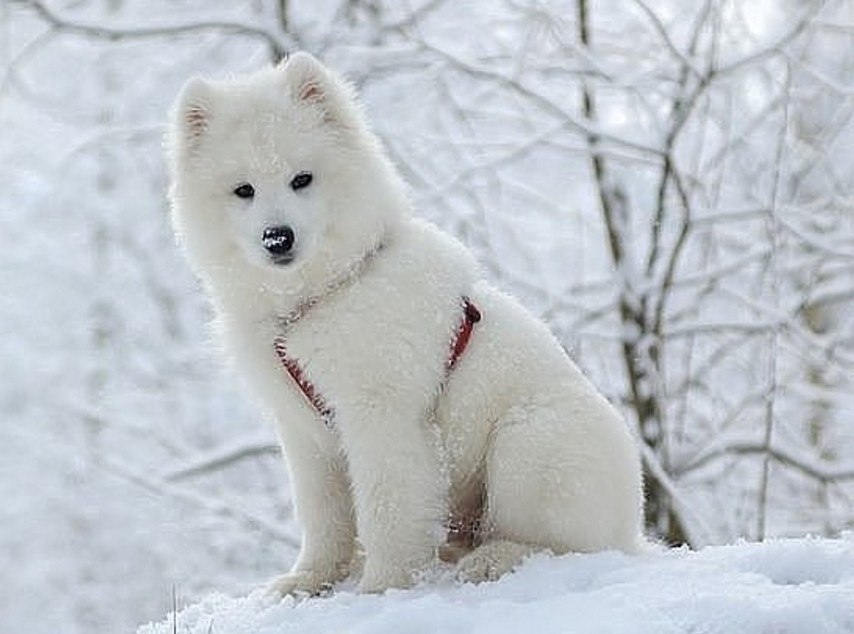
point(786, 586)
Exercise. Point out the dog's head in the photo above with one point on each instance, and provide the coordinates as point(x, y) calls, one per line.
point(278, 169)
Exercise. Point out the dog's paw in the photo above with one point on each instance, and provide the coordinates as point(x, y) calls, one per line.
point(301, 582)
point(491, 560)
point(377, 581)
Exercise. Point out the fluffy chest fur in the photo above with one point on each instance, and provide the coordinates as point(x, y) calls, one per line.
point(376, 339)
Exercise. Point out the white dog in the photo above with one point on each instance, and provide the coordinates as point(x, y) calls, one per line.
point(423, 413)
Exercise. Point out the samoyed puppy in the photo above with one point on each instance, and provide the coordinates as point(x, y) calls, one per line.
point(424, 414)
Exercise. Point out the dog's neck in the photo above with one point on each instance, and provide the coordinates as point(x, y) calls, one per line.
point(347, 277)
point(265, 295)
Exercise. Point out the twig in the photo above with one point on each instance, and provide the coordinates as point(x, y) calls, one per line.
point(673, 259)
point(174, 610)
point(777, 47)
point(540, 100)
point(277, 47)
point(821, 471)
point(771, 390)
point(659, 27)
point(211, 505)
point(221, 458)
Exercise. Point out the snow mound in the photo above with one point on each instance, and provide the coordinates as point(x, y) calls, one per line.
point(785, 586)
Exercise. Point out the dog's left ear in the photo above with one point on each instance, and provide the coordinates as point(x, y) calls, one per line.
point(306, 78)
point(311, 84)
point(308, 82)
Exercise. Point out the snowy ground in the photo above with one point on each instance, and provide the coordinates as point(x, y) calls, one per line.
point(781, 587)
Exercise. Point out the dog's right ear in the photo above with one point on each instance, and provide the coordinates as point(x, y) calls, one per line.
point(194, 112)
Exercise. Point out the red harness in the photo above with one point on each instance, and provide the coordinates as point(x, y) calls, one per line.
point(471, 315)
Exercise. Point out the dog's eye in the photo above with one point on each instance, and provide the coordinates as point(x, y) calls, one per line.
point(301, 180)
point(244, 191)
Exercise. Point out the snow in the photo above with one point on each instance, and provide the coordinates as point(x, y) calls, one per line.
point(781, 586)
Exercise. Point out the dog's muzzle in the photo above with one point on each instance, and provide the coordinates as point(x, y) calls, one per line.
point(279, 242)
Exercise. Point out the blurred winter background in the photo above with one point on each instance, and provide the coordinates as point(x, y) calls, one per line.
point(669, 184)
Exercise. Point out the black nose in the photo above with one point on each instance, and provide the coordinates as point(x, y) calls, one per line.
point(278, 240)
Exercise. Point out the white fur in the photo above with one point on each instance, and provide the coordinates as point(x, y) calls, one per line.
point(409, 446)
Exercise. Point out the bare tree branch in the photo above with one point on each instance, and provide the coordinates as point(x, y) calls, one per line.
point(213, 506)
point(777, 47)
point(278, 47)
point(822, 471)
point(546, 103)
point(221, 458)
point(659, 27)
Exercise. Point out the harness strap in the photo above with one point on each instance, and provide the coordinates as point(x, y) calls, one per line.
point(323, 409)
point(471, 315)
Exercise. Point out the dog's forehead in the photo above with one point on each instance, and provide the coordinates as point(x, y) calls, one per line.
point(265, 137)
point(263, 131)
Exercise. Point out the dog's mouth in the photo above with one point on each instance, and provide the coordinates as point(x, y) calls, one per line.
point(283, 259)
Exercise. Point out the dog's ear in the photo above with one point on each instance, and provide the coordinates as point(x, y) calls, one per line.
point(306, 78)
point(194, 112)
point(308, 82)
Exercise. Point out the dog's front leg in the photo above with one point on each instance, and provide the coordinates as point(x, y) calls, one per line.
point(324, 509)
point(398, 493)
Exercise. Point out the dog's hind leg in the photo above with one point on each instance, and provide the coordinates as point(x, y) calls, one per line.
point(555, 485)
